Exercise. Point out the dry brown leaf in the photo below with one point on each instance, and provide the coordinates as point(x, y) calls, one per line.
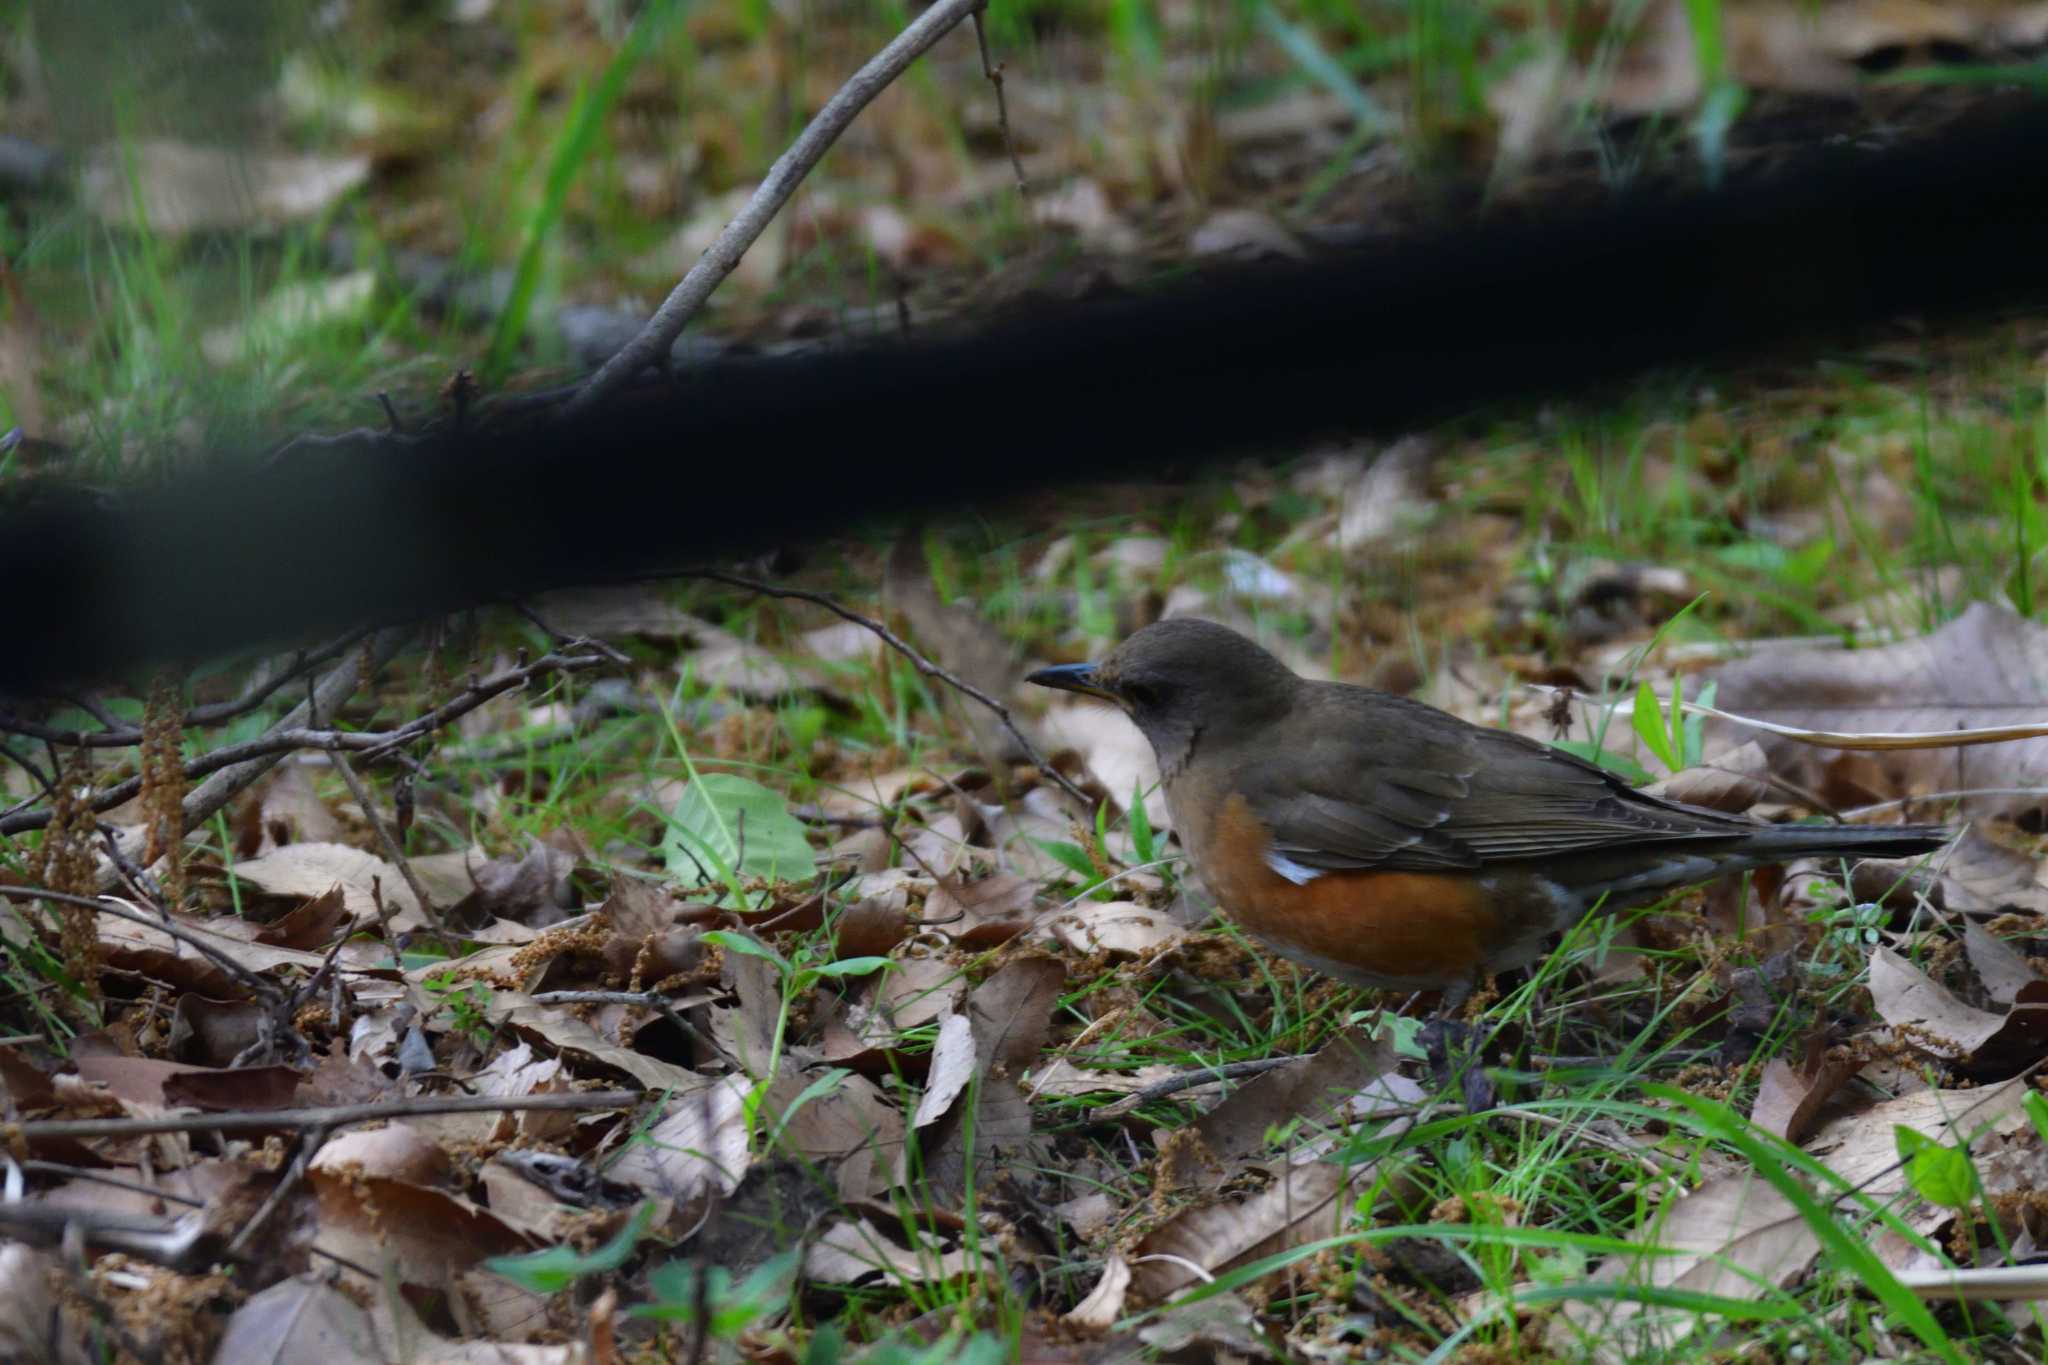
point(1732, 781)
point(1318, 1089)
point(311, 926)
point(1982, 669)
point(1009, 1014)
point(530, 888)
point(851, 1129)
point(570, 1037)
point(1929, 1017)
point(982, 914)
point(299, 872)
point(1788, 1101)
point(428, 1234)
point(1305, 1203)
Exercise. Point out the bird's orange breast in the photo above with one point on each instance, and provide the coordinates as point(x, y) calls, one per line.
point(1415, 930)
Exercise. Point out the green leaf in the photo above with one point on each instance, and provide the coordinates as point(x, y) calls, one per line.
point(1651, 728)
point(1939, 1173)
point(2036, 1105)
point(1142, 842)
point(854, 966)
point(555, 1269)
point(733, 1307)
point(1627, 768)
point(737, 942)
point(1072, 857)
point(733, 829)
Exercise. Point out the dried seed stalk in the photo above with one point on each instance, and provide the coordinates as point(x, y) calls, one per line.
point(163, 784)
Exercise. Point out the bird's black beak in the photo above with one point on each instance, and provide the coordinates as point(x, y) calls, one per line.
point(1073, 678)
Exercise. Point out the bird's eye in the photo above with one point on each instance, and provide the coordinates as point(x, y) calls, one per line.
point(1140, 694)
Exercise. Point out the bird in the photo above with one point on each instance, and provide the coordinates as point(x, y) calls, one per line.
point(1391, 845)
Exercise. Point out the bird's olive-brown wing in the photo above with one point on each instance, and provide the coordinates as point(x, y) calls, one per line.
point(1402, 786)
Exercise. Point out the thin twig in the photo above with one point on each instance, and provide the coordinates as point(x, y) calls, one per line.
point(789, 170)
point(564, 641)
point(292, 734)
point(309, 1144)
point(994, 72)
point(392, 851)
point(1188, 1080)
point(119, 735)
point(330, 1116)
point(917, 660)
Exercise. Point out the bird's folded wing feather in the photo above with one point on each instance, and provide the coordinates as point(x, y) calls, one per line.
point(1442, 799)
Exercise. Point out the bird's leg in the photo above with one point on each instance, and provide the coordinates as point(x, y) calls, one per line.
point(1454, 1051)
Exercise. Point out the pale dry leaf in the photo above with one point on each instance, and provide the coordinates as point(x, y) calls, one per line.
point(1983, 669)
point(641, 610)
point(1862, 1149)
point(1088, 1215)
point(1244, 234)
point(697, 1147)
point(1113, 751)
point(1105, 1303)
point(854, 1249)
point(400, 1151)
point(1975, 875)
point(2004, 971)
point(1733, 1236)
point(178, 187)
point(952, 1067)
point(1010, 1013)
point(1389, 498)
point(1083, 208)
point(304, 1318)
point(1063, 1079)
point(511, 1072)
point(1121, 929)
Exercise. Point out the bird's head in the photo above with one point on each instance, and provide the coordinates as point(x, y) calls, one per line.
point(1183, 680)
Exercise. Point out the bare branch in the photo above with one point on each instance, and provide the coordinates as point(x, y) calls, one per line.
point(292, 733)
point(652, 345)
